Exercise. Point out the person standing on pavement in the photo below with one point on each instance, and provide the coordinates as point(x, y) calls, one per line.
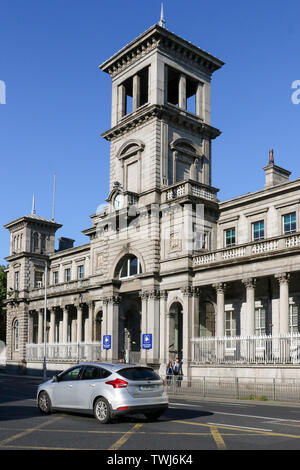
point(177, 371)
point(169, 372)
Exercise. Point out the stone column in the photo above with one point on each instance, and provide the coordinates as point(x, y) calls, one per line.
point(121, 101)
point(152, 327)
point(41, 326)
point(136, 91)
point(187, 327)
point(164, 344)
point(220, 314)
point(111, 325)
point(182, 91)
point(199, 100)
point(30, 327)
point(90, 322)
point(144, 312)
point(65, 324)
point(79, 323)
point(52, 325)
point(249, 283)
point(283, 279)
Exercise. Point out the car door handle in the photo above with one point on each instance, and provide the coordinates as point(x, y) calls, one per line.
point(70, 385)
point(92, 385)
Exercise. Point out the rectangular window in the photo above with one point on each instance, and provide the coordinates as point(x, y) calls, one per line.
point(293, 318)
point(17, 280)
point(260, 321)
point(67, 274)
point(230, 237)
point(230, 327)
point(38, 279)
point(258, 230)
point(289, 223)
point(55, 277)
point(80, 272)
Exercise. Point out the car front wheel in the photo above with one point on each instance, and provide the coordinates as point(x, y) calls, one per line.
point(102, 411)
point(44, 403)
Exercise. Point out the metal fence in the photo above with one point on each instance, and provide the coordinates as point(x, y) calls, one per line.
point(283, 349)
point(64, 352)
point(236, 388)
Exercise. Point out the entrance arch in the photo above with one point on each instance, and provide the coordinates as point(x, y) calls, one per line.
point(98, 326)
point(176, 330)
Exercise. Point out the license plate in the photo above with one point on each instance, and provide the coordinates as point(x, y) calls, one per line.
point(147, 387)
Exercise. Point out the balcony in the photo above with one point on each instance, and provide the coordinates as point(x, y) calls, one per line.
point(75, 285)
point(189, 188)
point(276, 245)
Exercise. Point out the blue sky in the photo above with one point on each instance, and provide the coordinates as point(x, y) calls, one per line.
point(58, 101)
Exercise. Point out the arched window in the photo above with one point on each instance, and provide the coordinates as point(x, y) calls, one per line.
point(130, 266)
point(16, 335)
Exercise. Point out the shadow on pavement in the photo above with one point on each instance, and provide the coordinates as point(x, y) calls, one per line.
point(11, 412)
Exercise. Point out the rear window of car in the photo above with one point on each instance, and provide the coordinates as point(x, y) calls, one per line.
point(138, 373)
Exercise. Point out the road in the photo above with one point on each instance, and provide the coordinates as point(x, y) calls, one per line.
point(188, 424)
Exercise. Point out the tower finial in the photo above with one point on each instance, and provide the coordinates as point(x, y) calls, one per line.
point(162, 21)
point(271, 156)
point(33, 206)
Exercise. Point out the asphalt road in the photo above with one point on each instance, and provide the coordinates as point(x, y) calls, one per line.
point(188, 424)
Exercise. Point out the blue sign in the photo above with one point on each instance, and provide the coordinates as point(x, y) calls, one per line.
point(147, 341)
point(107, 342)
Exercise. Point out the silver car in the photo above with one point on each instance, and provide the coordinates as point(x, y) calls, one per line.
point(106, 390)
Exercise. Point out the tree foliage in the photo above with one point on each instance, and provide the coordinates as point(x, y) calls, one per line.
point(3, 281)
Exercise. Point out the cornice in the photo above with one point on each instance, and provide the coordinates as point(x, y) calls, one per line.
point(133, 120)
point(160, 38)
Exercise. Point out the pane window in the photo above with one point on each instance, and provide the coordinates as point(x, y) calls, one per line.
point(258, 230)
point(67, 275)
point(260, 321)
point(38, 279)
point(80, 272)
point(293, 318)
point(230, 327)
point(230, 237)
point(130, 267)
point(55, 277)
point(289, 223)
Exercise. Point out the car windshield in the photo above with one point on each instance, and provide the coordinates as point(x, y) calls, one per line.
point(138, 373)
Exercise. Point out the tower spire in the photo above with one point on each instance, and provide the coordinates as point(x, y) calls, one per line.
point(33, 206)
point(162, 21)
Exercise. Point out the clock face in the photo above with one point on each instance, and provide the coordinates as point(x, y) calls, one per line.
point(119, 202)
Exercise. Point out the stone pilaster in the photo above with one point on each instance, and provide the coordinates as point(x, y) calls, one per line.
point(220, 314)
point(283, 279)
point(249, 284)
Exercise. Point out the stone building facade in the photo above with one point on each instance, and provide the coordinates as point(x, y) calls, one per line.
point(165, 258)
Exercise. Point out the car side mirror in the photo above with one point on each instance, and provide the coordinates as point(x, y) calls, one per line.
point(54, 378)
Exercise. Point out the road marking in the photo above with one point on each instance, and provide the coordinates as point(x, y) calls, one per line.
point(28, 431)
point(251, 416)
point(125, 437)
point(228, 426)
point(240, 427)
point(217, 438)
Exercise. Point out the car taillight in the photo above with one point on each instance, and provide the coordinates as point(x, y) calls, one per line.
point(117, 383)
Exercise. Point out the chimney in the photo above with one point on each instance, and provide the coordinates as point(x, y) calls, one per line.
point(65, 243)
point(275, 174)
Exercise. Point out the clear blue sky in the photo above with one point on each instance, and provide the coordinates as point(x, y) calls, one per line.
point(58, 101)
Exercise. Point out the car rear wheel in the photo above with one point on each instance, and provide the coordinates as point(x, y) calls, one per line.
point(154, 415)
point(44, 403)
point(102, 411)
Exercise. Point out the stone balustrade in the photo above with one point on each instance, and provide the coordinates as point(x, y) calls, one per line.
point(269, 246)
